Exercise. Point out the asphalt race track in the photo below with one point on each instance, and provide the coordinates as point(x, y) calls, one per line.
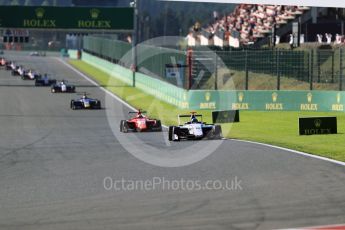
point(53, 162)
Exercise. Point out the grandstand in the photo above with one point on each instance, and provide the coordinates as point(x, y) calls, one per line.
point(255, 24)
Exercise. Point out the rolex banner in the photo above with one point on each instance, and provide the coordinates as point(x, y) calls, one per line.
point(76, 18)
point(317, 101)
point(317, 125)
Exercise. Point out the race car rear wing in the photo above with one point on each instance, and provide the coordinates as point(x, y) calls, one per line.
point(195, 115)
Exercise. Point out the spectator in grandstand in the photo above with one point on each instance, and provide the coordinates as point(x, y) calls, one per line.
point(277, 39)
point(302, 39)
point(328, 38)
point(129, 39)
point(253, 21)
point(197, 27)
point(291, 41)
point(338, 39)
point(215, 16)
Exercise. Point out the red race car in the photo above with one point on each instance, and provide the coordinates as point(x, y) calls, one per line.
point(140, 123)
point(3, 61)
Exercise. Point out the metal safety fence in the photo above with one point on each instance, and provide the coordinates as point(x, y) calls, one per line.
point(264, 69)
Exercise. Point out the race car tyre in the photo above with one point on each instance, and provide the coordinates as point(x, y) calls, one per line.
point(158, 126)
point(73, 105)
point(176, 131)
point(170, 133)
point(122, 123)
point(124, 126)
point(97, 105)
point(173, 130)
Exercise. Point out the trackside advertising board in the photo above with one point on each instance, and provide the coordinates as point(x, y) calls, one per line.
point(316, 101)
point(77, 18)
point(317, 125)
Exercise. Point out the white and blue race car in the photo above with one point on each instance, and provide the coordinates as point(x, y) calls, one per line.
point(62, 87)
point(194, 129)
point(85, 103)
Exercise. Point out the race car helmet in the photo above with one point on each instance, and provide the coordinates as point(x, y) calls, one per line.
point(194, 120)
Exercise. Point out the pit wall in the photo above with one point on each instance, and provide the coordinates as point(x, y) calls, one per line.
point(322, 101)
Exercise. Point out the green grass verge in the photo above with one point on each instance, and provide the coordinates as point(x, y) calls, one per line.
point(277, 128)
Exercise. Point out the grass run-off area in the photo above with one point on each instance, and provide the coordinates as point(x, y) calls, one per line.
point(276, 128)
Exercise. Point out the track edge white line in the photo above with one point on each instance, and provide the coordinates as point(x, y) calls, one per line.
point(293, 151)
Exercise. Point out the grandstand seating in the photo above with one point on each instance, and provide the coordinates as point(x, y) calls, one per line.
point(253, 22)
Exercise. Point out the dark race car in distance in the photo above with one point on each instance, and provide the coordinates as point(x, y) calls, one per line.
point(194, 129)
point(62, 87)
point(85, 103)
point(44, 81)
point(140, 123)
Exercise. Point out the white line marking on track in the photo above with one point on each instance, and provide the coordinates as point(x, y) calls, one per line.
point(293, 151)
point(322, 227)
point(251, 142)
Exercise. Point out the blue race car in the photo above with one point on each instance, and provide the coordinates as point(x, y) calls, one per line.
point(44, 81)
point(85, 103)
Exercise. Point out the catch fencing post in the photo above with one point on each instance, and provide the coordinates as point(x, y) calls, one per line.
point(278, 69)
point(318, 52)
point(247, 72)
point(134, 42)
point(311, 59)
point(332, 66)
point(341, 71)
point(216, 71)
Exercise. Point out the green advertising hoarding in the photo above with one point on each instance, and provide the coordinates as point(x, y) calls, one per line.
point(268, 100)
point(319, 101)
point(76, 18)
